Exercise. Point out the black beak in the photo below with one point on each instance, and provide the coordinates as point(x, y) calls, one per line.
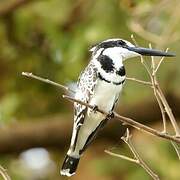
point(150, 52)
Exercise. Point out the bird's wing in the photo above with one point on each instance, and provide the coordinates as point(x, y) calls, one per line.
point(86, 85)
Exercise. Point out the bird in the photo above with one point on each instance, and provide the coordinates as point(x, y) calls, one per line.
point(100, 85)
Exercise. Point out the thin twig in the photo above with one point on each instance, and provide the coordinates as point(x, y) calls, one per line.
point(137, 159)
point(127, 139)
point(166, 37)
point(31, 75)
point(139, 81)
point(161, 60)
point(121, 156)
point(154, 83)
point(162, 98)
point(154, 88)
point(168, 111)
point(162, 111)
point(145, 65)
point(134, 40)
point(160, 106)
point(129, 121)
point(177, 148)
point(162, 102)
point(4, 173)
point(152, 59)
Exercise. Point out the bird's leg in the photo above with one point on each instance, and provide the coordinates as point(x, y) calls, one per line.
point(95, 108)
point(110, 115)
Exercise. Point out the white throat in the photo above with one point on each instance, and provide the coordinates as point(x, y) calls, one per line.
point(117, 60)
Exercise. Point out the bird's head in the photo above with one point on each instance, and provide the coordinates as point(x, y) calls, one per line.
point(125, 49)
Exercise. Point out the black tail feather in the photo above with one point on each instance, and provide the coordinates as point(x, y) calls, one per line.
point(69, 166)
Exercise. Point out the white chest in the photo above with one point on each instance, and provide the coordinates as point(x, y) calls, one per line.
point(105, 94)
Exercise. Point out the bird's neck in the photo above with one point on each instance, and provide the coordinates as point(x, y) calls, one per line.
point(109, 64)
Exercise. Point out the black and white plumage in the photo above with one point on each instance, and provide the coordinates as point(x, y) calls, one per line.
point(99, 85)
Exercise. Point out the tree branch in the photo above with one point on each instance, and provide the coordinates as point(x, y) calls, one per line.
point(162, 102)
point(161, 60)
point(31, 75)
point(123, 119)
point(139, 81)
point(121, 156)
point(168, 111)
point(177, 148)
point(154, 83)
point(19, 136)
point(137, 159)
point(129, 121)
point(4, 173)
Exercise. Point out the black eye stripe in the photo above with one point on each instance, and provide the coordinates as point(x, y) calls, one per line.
point(121, 71)
point(106, 63)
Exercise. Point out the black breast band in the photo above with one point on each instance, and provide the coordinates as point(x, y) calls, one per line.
point(115, 83)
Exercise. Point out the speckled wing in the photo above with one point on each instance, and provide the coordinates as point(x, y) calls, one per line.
point(86, 85)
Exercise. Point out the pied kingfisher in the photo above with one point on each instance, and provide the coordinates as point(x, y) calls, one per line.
point(99, 85)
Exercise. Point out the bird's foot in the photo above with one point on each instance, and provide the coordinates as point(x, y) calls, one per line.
point(110, 115)
point(95, 108)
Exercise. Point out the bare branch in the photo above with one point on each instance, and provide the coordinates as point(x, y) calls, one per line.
point(162, 111)
point(129, 121)
point(177, 148)
point(123, 119)
point(162, 102)
point(146, 66)
point(134, 40)
point(137, 159)
point(127, 139)
point(4, 173)
point(31, 75)
point(162, 98)
point(139, 81)
point(154, 83)
point(169, 111)
point(161, 60)
point(121, 156)
point(152, 59)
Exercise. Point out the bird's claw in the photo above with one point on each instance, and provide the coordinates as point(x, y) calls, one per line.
point(110, 115)
point(95, 108)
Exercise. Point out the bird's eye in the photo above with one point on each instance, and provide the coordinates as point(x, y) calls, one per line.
point(121, 43)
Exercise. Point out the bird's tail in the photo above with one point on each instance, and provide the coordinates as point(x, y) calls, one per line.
point(69, 166)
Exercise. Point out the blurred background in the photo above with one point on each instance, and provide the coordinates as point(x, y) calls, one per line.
point(51, 38)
